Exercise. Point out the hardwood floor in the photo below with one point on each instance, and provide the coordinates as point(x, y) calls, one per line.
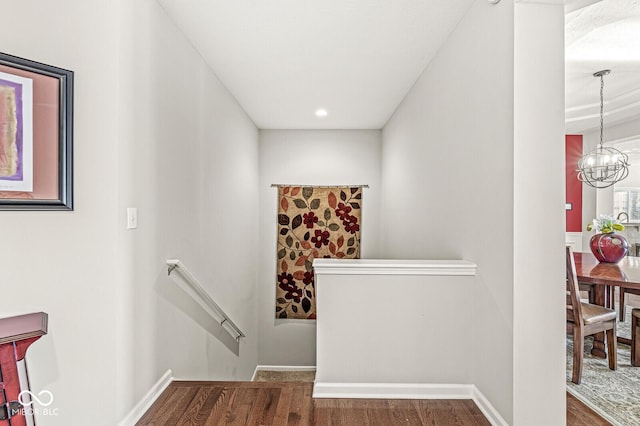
point(579, 414)
point(290, 403)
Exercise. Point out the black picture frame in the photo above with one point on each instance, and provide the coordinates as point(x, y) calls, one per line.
point(51, 178)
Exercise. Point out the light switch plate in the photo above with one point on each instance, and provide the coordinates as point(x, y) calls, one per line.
point(132, 218)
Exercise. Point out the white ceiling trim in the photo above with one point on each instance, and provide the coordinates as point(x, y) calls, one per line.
point(611, 106)
point(634, 138)
point(573, 5)
point(614, 116)
point(548, 2)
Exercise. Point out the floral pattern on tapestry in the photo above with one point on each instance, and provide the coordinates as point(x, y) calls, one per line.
point(313, 222)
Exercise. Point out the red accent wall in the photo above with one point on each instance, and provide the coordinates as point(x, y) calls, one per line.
point(573, 152)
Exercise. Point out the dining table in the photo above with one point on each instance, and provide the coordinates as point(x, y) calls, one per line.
point(605, 277)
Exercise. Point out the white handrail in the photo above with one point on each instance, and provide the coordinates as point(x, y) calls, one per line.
point(203, 299)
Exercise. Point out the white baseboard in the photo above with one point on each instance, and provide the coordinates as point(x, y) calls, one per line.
point(147, 400)
point(392, 391)
point(410, 391)
point(282, 368)
point(487, 409)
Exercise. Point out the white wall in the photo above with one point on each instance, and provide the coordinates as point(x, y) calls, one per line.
point(539, 323)
point(448, 192)
point(313, 157)
point(156, 130)
point(633, 180)
point(189, 157)
point(63, 263)
point(448, 182)
point(402, 334)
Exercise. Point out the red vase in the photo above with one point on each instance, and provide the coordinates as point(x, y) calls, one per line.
point(609, 248)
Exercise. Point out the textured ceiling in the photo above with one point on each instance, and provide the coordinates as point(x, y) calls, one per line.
point(284, 59)
point(603, 35)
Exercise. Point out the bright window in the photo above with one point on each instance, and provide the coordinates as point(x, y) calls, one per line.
point(627, 200)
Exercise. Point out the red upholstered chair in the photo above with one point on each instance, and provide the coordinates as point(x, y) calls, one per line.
point(585, 319)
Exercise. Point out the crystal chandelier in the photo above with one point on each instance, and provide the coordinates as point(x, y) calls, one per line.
point(603, 166)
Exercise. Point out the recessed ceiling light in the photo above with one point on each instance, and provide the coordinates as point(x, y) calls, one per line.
point(321, 113)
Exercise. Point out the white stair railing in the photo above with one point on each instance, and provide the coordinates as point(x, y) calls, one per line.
point(200, 295)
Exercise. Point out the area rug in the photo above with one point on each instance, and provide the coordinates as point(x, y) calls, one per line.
point(313, 222)
point(615, 395)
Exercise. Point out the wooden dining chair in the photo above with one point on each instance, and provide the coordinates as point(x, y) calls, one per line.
point(585, 319)
point(623, 292)
point(590, 290)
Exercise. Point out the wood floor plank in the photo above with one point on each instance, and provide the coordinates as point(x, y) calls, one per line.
point(269, 411)
point(281, 416)
point(350, 411)
point(405, 414)
point(328, 412)
point(474, 411)
point(264, 406)
point(219, 408)
point(302, 410)
point(238, 412)
point(434, 410)
point(174, 407)
point(378, 411)
point(147, 418)
point(456, 412)
point(232, 412)
point(201, 405)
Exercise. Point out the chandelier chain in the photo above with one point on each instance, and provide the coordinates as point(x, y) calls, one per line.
point(601, 109)
point(604, 166)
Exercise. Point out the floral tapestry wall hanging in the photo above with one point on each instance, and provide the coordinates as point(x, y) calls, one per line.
point(313, 222)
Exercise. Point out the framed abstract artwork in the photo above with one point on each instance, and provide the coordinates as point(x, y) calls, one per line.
point(36, 135)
